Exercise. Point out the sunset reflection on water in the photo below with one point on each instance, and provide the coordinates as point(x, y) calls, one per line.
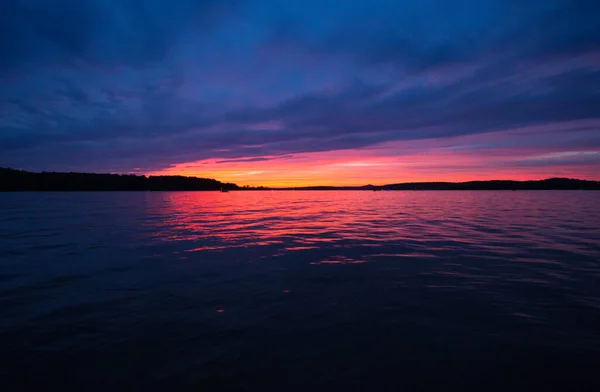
point(361, 226)
point(196, 286)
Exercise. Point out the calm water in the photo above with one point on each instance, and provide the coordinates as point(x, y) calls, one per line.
point(293, 291)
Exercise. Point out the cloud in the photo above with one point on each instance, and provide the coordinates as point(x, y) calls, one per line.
point(258, 159)
point(99, 32)
point(115, 85)
point(567, 158)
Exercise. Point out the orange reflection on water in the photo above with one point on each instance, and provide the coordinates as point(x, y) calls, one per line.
point(347, 227)
point(285, 221)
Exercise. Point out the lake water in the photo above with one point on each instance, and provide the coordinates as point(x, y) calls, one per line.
point(295, 291)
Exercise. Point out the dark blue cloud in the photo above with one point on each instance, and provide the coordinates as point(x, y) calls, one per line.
point(117, 85)
point(135, 32)
point(258, 159)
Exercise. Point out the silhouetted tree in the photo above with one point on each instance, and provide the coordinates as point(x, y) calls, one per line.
point(18, 180)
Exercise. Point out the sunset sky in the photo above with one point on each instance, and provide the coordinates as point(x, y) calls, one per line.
point(290, 92)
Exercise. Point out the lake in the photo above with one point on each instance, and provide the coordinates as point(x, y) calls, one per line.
point(295, 291)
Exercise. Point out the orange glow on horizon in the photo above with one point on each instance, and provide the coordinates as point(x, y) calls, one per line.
point(357, 168)
point(485, 156)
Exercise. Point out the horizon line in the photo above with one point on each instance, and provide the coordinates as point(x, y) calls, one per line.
point(302, 186)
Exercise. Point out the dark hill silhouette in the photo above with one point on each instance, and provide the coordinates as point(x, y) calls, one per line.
point(550, 183)
point(19, 180)
point(547, 184)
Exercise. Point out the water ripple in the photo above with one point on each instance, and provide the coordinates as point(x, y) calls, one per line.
point(193, 284)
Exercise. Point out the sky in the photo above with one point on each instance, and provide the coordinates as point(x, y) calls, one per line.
point(302, 92)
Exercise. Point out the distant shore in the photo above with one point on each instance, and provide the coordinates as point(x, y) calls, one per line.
point(20, 180)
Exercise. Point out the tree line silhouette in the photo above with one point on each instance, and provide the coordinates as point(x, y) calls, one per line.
point(20, 180)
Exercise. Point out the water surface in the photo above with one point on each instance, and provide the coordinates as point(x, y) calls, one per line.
point(292, 291)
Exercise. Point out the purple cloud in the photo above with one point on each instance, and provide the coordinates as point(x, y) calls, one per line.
point(107, 85)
